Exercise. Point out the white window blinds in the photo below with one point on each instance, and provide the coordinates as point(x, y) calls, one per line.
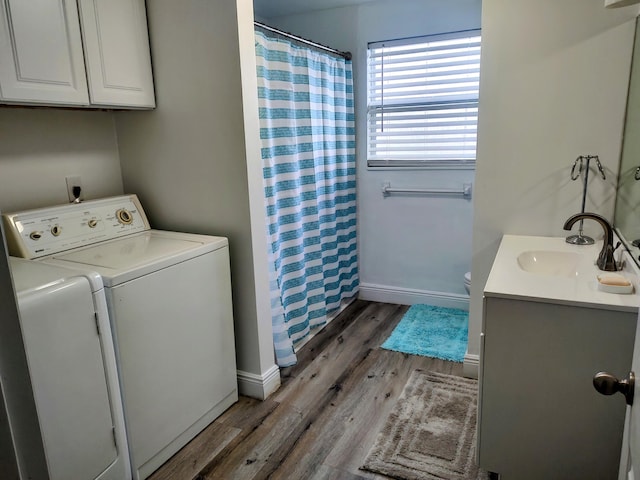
point(423, 100)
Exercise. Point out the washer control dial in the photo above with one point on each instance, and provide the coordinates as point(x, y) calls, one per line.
point(35, 235)
point(56, 230)
point(124, 216)
point(92, 223)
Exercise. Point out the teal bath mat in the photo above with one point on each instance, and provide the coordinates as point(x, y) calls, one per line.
point(430, 331)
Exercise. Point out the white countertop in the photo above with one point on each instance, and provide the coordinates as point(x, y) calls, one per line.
point(508, 280)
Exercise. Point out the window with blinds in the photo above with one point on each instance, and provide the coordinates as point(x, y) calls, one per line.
point(423, 101)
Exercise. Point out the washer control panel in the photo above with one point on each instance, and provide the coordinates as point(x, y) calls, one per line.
point(45, 231)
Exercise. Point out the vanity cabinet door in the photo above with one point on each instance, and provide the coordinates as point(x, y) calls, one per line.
point(117, 53)
point(540, 417)
point(41, 53)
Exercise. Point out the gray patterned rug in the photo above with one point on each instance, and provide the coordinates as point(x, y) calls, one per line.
point(431, 431)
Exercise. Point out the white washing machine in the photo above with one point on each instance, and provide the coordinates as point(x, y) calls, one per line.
point(169, 301)
point(70, 356)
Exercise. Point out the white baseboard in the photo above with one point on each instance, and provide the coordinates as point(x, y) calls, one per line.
point(471, 365)
point(259, 386)
point(410, 296)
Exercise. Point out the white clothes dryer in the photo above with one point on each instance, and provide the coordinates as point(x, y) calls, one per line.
point(169, 301)
point(71, 360)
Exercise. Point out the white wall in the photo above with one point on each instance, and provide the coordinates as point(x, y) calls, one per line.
point(553, 86)
point(255, 184)
point(411, 249)
point(39, 147)
point(187, 158)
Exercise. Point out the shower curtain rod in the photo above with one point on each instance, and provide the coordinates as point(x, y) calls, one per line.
point(345, 55)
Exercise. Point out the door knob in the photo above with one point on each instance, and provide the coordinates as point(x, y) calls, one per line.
point(608, 384)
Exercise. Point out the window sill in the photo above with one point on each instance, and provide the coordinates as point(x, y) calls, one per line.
point(384, 165)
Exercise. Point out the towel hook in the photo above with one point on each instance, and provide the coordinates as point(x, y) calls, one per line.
point(574, 176)
point(579, 163)
point(599, 165)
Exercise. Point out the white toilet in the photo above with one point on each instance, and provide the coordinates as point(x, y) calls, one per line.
point(467, 282)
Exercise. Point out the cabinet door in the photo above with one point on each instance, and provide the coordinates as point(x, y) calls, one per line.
point(540, 417)
point(41, 53)
point(117, 52)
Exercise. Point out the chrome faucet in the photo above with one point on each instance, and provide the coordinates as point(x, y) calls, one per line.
point(605, 261)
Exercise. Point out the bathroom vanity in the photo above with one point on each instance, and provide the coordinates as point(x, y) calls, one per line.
point(547, 330)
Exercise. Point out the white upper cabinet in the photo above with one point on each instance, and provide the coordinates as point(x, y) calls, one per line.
point(41, 53)
point(116, 47)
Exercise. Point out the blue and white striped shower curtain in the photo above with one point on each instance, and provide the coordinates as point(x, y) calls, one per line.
point(308, 154)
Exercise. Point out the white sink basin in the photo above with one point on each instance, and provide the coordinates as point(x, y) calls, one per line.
point(549, 262)
point(550, 270)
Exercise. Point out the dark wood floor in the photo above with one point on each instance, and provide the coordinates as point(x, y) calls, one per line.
point(324, 418)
